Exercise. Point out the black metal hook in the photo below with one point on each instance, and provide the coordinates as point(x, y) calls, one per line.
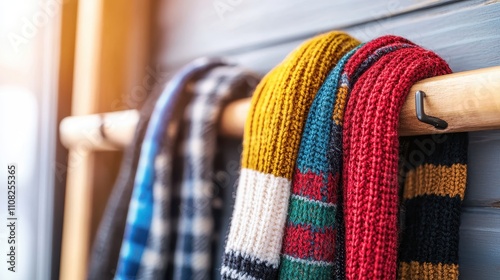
point(421, 116)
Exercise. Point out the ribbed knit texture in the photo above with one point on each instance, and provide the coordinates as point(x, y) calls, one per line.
point(368, 54)
point(314, 237)
point(370, 171)
point(309, 241)
point(436, 175)
point(270, 146)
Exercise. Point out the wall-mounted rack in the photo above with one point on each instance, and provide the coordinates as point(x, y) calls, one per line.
point(467, 101)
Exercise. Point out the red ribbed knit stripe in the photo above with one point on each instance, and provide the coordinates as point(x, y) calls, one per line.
point(370, 142)
point(311, 240)
point(368, 50)
point(310, 185)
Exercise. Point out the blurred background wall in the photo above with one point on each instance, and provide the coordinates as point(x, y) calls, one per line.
point(29, 55)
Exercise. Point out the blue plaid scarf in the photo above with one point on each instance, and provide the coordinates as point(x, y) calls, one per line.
point(140, 235)
point(153, 229)
point(197, 233)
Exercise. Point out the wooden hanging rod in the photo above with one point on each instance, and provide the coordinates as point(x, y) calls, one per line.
point(467, 101)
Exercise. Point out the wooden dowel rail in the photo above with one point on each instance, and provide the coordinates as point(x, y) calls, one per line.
point(468, 101)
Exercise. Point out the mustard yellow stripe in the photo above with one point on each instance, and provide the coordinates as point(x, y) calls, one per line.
point(281, 103)
point(427, 271)
point(338, 111)
point(430, 179)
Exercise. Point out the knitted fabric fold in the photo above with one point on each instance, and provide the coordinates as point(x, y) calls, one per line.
point(270, 146)
point(371, 146)
point(197, 232)
point(146, 233)
point(360, 61)
point(312, 251)
point(436, 175)
point(309, 239)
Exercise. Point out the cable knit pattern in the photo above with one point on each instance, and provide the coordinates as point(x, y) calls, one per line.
point(371, 146)
point(270, 146)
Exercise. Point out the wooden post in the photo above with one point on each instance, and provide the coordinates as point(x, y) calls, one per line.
point(75, 242)
point(112, 63)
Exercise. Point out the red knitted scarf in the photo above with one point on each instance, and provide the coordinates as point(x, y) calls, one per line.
point(370, 171)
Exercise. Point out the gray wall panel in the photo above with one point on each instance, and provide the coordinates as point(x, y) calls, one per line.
point(479, 244)
point(466, 34)
point(195, 28)
point(484, 170)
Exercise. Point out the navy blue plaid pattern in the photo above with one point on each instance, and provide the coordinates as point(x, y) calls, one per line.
point(140, 215)
point(197, 234)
